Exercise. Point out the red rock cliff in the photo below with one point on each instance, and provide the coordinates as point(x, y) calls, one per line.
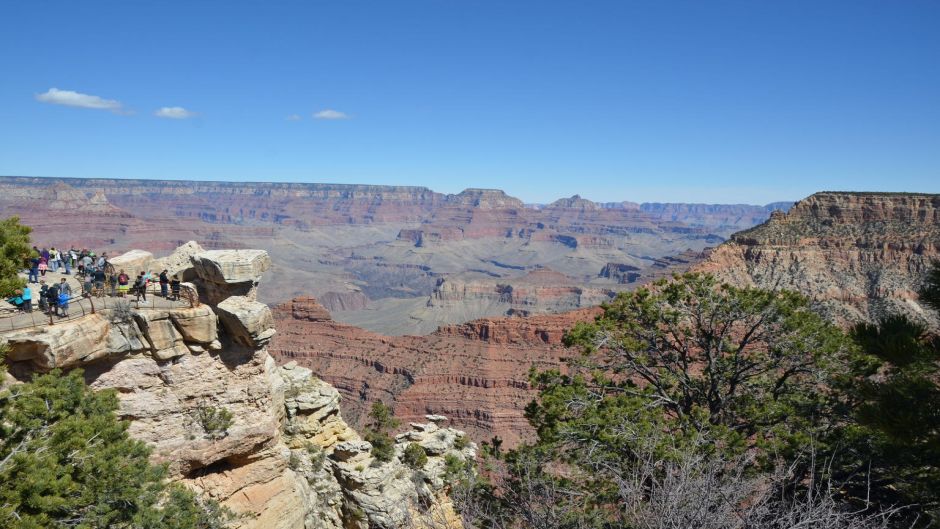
point(858, 256)
point(475, 373)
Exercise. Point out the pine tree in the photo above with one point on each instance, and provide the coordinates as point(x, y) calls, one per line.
point(67, 461)
point(14, 249)
point(892, 395)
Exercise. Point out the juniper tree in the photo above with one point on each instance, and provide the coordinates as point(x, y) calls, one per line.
point(891, 438)
point(67, 461)
point(14, 249)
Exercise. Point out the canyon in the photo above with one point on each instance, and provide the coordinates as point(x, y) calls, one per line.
point(475, 373)
point(857, 257)
point(393, 259)
point(442, 304)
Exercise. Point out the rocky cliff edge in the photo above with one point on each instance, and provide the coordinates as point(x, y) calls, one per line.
point(288, 460)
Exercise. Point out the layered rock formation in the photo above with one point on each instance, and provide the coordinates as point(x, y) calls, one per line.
point(721, 216)
point(475, 373)
point(858, 256)
point(373, 254)
point(288, 460)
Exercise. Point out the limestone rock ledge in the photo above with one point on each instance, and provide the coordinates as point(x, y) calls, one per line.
point(288, 460)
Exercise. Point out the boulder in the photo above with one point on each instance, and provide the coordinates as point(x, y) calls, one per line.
point(179, 263)
point(231, 266)
point(196, 324)
point(248, 322)
point(133, 262)
point(225, 273)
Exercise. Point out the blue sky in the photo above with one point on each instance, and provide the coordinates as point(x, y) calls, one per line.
point(750, 101)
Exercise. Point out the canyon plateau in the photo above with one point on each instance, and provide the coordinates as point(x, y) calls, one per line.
point(392, 259)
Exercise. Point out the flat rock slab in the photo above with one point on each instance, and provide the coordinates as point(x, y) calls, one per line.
point(231, 266)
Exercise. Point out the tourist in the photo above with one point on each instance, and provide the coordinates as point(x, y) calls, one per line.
point(65, 292)
point(124, 281)
point(164, 283)
point(34, 268)
point(43, 293)
point(16, 300)
point(102, 261)
point(141, 287)
point(27, 299)
point(52, 298)
point(87, 285)
point(87, 263)
point(175, 286)
point(53, 259)
point(43, 266)
point(99, 277)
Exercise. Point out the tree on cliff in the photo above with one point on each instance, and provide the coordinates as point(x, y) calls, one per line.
point(14, 249)
point(892, 396)
point(67, 461)
point(695, 404)
point(692, 355)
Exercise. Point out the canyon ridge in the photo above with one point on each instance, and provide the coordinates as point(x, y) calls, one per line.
point(392, 259)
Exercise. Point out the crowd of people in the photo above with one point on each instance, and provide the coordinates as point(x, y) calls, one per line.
point(94, 272)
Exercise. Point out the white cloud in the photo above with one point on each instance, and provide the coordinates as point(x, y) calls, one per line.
point(174, 113)
point(293, 117)
point(77, 99)
point(330, 114)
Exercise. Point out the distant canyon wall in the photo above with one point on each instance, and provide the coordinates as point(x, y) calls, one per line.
point(857, 256)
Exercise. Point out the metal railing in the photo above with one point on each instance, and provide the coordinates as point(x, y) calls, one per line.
point(101, 300)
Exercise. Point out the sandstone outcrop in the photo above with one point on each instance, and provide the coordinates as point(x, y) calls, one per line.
point(179, 263)
point(857, 256)
point(288, 460)
point(224, 273)
point(248, 322)
point(133, 262)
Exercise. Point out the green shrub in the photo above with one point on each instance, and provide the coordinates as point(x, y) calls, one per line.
point(383, 447)
point(356, 514)
point(453, 467)
point(67, 461)
point(461, 442)
point(294, 462)
point(317, 457)
point(14, 251)
point(382, 417)
point(214, 421)
point(415, 456)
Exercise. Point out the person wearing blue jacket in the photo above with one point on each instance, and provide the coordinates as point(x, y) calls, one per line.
point(27, 299)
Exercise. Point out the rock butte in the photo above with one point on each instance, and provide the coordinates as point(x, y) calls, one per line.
point(857, 256)
point(289, 460)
